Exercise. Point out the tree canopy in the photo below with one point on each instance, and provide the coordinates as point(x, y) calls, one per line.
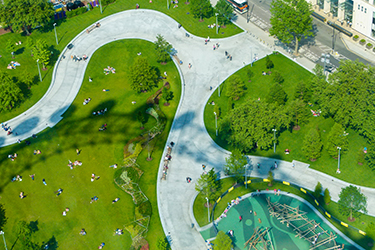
point(163, 49)
point(207, 185)
point(143, 76)
point(10, 92)
point(223, 241)
point(235, 164)
point(337, 137)
point(352, 201)
point(25, 14)
point(235, 87)
point(250, 124)
point(312, 145)
point(201, 8)
point(291, 20)
point(225, 11)
point(277, 95)
point(298, 112)
point(41, 52)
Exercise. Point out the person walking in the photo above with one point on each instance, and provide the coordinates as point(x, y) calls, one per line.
point(78, 151)
point(44, 182)
point(240, 218)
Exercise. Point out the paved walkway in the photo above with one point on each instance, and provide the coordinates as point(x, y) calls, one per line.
point(193, 144)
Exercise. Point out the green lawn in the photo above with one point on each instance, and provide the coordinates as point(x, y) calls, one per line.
point(67, 29)
point(200, 211)
point(99, 150)
point(291, 139)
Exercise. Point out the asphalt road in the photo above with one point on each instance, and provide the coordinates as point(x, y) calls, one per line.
point(259, 11)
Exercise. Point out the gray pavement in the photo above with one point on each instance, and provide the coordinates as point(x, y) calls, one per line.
point(193, 144)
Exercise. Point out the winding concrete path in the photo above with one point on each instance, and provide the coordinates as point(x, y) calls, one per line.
point(193, 144)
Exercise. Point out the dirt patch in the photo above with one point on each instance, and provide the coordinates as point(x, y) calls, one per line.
point(4, 31)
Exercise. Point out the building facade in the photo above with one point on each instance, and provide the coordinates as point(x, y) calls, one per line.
point(359, 14)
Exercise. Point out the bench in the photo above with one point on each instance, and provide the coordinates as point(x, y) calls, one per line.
point(97, 25)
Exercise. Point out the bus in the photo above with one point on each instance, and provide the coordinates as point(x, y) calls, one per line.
point(240, 6)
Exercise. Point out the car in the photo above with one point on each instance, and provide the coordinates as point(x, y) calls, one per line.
point(70, 46)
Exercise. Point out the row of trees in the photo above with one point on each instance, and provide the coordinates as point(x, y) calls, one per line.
point(346, 97)
point(26, 14)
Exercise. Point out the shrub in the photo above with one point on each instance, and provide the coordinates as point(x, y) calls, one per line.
point(362, 41)
point(277, 77)
point(76, 12)
point(269, 63)
point(355, 38)
point(145, 208)
point(327, 196)
point(369, 45)
point(318, 190)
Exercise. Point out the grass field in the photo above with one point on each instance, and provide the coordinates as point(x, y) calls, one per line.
point(67, 29)
point(200, 211)
point(99, 150)
point(291, 139)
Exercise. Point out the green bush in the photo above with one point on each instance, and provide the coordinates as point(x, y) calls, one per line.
point(356, 37)
point(145, 208)
point(362, 41)
point(76, 12)
point(369, 45)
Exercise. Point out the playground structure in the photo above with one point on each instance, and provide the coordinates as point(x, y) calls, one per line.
point(258, 239)
point(305, 229)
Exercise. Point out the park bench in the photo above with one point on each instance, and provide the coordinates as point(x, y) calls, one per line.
point(97, 25)
point(177, 59)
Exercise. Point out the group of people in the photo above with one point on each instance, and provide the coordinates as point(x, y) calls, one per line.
point(77, 58)
point(72, 165)
point(6, 128)
point(100, 112)
point(86, 101)
point(13, 65)
point(13, 156)
point(228, 55)
point(108, 70)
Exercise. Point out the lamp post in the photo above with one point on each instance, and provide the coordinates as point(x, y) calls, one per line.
point(245, 175)
point(274, 140)
point(215, 122)
point(40, 75)
point(208, 209)
point(168, 4)
point(251, 57)
point(217, 27)
point(325, 59)
point(54, 27)
point(100, 5)
point(338, 168)
point(5, 244)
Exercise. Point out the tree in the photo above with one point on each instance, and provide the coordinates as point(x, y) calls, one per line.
point(208, 186)
point(318, 190)
point(27, 78)
point(235, 164)
point(10, 92)
point(167, 95)
point(235, 88)
point(277, 95)
point(349, 97)
point(298, 112)
point(249, 73)
point(352, 201)
point(269, 63)
point(10, 47)
point(327, 196)
point(225, 11)
point(141, 118)
point(163, 49)
point(277, 77)
point(41, 52)
point(143, 76)
point(25, 233)
point(312, 145)
point(163, 244)
point(318, 84)
point(302, 92)
point(26, 14)
point(337, 137)
point(250, 125)
point(3, 218)
point(223, 241)
point(201, 8)
point(291, 20)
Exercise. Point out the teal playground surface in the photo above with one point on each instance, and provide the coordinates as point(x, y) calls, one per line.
point(255, 214)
